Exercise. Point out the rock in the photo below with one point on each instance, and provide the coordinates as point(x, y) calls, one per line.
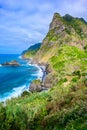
point(35, 86)
point(56, 21)
point(11, 63)
point(48, 81)
point(25, 58)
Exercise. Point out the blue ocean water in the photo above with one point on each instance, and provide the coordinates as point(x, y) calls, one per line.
point(14, 80)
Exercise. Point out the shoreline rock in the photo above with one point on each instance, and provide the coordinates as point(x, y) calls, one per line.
point(35, 86)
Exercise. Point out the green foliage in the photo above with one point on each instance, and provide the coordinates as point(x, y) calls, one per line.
point(64, 106)
point(76, 24)
point(68, 60)
point(31, 51)
point(85, 47)
point(25, 93)
point(75, 79)
point(37, 81)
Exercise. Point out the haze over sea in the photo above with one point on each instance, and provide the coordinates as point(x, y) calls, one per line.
point(15, 80)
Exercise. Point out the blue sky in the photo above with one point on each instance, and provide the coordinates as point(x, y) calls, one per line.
point(25, 22)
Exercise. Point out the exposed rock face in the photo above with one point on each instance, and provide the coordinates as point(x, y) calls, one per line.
point(11, 63)
point(35, 86)
point(64, 33)
point(56, 22)
point(62, 30)
point(48, 80)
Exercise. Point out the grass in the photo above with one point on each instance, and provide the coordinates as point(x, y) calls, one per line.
point(63, 107)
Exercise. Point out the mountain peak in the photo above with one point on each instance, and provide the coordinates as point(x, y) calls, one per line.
point(56, 21)
point(56, 15)
point(68, 17)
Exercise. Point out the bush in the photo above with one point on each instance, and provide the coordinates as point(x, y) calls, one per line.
point(25, 93)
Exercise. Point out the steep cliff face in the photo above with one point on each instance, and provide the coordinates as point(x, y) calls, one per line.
point(64, 106)
point(63, 48)
point(62, 30)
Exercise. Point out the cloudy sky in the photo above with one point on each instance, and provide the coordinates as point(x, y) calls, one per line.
point(25, 22)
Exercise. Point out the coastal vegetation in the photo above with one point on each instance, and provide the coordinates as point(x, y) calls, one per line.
point(64, 105)
point(31, 51)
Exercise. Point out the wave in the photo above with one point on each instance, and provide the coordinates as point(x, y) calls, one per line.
point(26, 65)
point(15, 92)
point(39, 72)
point(0, 65)
point(20, 57)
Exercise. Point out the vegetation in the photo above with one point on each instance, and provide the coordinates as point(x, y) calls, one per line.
point(64, 105)
point(31, 51)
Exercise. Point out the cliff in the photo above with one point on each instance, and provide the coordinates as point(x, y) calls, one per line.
point(64, 105)
point(65, 30)
point(63, 48)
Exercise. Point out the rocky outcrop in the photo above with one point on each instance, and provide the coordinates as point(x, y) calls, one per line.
point(47, 81)
point(35, 86)
point(66, 30)
point(11, 63)
point(56, 22)
point(38, 86)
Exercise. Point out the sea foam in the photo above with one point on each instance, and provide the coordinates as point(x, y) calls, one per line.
point(15, 92)
point(39, 72)
point(20, 57)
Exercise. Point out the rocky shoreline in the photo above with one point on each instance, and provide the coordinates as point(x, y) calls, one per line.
point(42, 84)
point(46, 80)
point(38, 84)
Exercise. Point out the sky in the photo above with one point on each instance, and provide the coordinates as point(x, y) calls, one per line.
point(26, 22)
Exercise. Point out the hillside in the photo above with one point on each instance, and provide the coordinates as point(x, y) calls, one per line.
point(64, 105)
point(31, 51)
point(63, 30)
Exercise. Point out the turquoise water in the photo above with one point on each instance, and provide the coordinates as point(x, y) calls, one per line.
point(14, 80)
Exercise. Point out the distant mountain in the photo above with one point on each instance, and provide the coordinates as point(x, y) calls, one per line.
point(31, 51)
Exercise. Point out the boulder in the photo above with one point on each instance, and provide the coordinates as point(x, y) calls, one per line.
point(50, 80)
point(35, 86)
point(11, 63)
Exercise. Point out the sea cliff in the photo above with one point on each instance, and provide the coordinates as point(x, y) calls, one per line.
point(64, 106)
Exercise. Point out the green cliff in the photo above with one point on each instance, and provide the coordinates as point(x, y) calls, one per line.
point(31, 51)
point(64, 105)
point(63, 30)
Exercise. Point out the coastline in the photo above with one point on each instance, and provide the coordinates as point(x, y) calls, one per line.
point(16, 92)
point(42, 71)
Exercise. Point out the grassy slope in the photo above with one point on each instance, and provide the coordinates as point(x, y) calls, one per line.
point(30, 54)
point(71, 31)
point(31, 51)
point(64, 106)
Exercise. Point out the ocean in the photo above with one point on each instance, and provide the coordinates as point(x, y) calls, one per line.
point(15, 80)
